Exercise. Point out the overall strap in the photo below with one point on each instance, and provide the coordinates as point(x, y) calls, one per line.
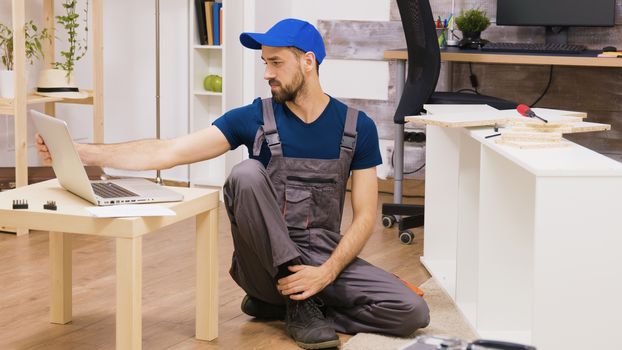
point(348, 139)
point(269, 128)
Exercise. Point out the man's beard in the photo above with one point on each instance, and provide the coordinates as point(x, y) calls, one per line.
point(288, 92)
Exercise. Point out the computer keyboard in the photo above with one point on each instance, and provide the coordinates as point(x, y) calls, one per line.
point(533, 48)
point(110, 190)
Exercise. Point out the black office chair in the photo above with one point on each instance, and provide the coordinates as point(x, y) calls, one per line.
point(424, 65)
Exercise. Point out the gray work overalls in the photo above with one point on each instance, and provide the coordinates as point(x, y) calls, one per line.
point(293, 209)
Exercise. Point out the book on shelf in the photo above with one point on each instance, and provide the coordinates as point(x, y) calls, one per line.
point(209, 15)
point(200, 14)
point(216, 22)
point(209, 21)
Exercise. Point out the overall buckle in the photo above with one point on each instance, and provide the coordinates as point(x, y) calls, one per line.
point(348, 140)
point(272, 138)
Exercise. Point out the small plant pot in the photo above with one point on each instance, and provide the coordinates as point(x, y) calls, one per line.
point(472, 40)
point(472, 36)
point(7, 84)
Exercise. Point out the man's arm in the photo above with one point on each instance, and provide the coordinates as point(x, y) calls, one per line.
point(309, 280)
point(364, 209)
point(150, 154)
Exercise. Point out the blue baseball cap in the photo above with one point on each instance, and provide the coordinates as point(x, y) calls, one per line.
point(288, 32)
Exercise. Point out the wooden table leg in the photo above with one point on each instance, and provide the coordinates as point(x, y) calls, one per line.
point(60, 277)
point(129, 293)
point(207, 275)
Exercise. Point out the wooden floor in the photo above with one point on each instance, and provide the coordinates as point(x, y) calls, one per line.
point(168, 291)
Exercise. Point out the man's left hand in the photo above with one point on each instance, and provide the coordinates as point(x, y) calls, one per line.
point(305, 281)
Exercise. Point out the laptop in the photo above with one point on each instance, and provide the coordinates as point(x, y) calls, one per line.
point(71, 174)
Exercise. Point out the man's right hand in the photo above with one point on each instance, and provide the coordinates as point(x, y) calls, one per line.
point(43, 150)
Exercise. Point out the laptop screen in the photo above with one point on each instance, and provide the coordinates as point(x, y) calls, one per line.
point(65, 159)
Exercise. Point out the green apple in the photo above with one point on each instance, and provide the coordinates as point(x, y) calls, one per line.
point(217, 83)
point(208, 82)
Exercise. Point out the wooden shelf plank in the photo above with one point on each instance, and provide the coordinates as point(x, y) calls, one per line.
point(215, 47)
point(79, 101)
point(206, 93)
point(7, 106)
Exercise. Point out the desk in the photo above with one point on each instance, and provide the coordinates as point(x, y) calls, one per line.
point(525, 242)
point(451, 54)
point(72, 217)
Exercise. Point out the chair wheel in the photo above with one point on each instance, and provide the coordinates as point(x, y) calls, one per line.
point(407, 237)
point(388, 221)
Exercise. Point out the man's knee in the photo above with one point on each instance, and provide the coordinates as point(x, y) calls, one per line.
point(247, 174)
point(415, 314)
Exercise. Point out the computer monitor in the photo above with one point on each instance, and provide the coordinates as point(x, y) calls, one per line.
point(556, 15)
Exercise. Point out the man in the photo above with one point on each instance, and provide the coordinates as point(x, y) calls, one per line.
point(285, 202)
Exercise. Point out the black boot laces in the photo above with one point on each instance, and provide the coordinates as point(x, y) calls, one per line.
point(308, 308)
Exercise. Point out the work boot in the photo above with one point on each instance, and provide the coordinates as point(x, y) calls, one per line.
point(305, 323)
point(262, 310)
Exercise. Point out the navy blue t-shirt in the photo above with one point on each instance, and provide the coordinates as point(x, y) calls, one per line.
point(318, 140)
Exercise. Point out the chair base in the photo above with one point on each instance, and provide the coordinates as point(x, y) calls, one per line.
point(413, 216)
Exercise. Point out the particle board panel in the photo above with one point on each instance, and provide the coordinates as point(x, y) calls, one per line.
point(459, 120)
point(531, 136)
point(534, 145)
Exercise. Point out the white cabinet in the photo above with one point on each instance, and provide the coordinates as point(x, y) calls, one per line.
point(525, 242)
point(225, 60)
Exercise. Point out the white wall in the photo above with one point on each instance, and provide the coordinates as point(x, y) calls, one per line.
point(267, 12)
point(129, 68)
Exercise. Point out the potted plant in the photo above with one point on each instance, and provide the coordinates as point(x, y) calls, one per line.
point(77, 48)
point(472, 23)
point(34, 50)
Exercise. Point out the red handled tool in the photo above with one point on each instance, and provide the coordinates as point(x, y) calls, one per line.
point(525, 111)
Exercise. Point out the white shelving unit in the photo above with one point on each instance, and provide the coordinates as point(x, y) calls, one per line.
point(225, 60)
point(18, 106)
point(511, 233)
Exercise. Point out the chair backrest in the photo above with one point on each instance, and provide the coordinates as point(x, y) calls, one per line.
point(424, 57)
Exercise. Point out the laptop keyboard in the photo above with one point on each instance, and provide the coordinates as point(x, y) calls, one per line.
point(110, 190)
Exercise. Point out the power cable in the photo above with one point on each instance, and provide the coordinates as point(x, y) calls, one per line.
point(546, 89)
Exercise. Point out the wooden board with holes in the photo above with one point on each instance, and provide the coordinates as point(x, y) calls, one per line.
point(565, 122)
point(535, 145)
point(460, 120)
point(532, 136)
point(554, 117)
point(552, 122)
point(565, 129)
point(466, 120)
point(589, 127)
point(552, 113)
point(461, 116)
